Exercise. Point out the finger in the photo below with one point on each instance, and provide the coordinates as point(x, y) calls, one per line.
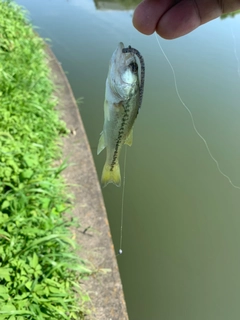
point(172, 19)
point(179, 20)
point(186, 16)
point(148, 13)
point(228, 6)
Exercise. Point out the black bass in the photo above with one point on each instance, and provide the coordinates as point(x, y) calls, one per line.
point(123, 98)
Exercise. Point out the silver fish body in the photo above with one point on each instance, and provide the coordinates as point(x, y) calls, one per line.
point(121, 107)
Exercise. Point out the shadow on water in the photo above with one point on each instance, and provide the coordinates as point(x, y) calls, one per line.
point(181, 227)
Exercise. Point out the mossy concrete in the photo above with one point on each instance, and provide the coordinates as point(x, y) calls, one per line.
point(105, 288)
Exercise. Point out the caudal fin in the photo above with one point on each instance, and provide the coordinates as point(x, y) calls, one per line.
point(111, 175)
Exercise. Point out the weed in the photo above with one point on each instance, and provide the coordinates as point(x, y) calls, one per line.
point(39, 270)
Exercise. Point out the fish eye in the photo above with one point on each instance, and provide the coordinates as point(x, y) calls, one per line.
point(133, 66)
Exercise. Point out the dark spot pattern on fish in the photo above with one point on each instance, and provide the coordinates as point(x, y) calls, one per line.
point(120, 135)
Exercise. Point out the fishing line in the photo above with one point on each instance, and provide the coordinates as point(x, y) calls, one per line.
point(141, 89)
point(192, 119)
point(235, 49)
point(120, 251)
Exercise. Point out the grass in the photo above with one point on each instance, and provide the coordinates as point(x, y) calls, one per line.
point(39, 269)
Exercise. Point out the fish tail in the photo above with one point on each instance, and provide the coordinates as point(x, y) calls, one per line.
point(111, 175)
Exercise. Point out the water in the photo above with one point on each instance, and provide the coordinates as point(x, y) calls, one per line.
point(181, 229)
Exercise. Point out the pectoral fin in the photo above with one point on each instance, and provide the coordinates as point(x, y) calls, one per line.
point(101, 143)
point(106, 111)
point(129, 139)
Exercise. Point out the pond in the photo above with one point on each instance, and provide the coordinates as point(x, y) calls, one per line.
point(181, 226)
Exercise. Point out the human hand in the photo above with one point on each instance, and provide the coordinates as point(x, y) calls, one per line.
point(173, 18)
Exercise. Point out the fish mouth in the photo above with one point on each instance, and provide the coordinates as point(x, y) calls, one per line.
point(123, 66)
point(122, 58)
point(119, 49)
point(122, 75)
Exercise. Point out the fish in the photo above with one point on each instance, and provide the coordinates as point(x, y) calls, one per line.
point(123, 97)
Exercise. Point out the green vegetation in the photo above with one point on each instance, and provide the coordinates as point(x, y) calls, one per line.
point(231, 14)
point(39, 270)
point(127, 4)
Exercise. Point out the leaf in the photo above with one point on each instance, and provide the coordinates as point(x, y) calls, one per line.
point(28, 285)
point(4, 274)
point(34, 261)
point(22, 296)
point(53, 289)
point(38, 289)
point(5, 204)
point(7, 308)
point(27, 173)
point(4, 292)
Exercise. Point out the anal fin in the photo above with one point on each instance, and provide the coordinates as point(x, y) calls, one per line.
point(129, 139)
point(101, 143)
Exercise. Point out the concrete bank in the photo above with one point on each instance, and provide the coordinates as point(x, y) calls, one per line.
point(105, 289)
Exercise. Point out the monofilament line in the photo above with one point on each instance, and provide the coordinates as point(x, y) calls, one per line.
point(120, 251)
point(192, 119)
point(235, 50)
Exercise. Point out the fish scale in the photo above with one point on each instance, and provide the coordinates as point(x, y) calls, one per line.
point(121, 132)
